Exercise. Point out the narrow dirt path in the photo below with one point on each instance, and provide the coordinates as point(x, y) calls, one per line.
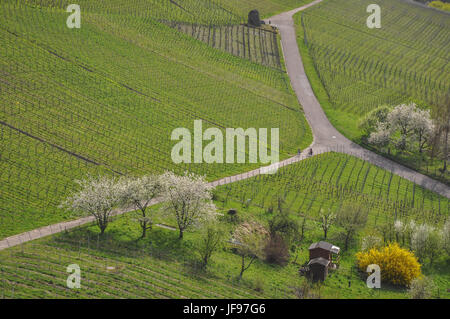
point(326, 137)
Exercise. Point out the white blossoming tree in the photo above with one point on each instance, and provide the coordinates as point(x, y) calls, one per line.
point(427, 242)
point(401, 119)
point(399, 229)
point(419, 240)
point(409, 230)
point(382, 136)
point(328, 218)
point(370, 121)
point(408, 122)
point(139, 193)
point(421, 288)
point(371, 241)
point(98, 197)
point(423, 127)
point(188, 198)
point(446, 236)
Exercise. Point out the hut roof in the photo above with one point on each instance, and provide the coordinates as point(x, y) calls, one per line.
point(321, 261)
point(326, 246)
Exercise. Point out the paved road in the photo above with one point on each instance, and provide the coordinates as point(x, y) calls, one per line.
point(326, 137)
point(63, 226)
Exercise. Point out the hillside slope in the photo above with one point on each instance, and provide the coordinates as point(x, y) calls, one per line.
point(105, 98)
point(354, 69)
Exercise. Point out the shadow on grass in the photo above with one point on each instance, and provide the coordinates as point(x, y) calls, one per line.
point(159, 243)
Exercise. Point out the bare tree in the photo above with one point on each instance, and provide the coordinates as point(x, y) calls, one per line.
point(189, 199)
point(250, 239)
point(139, 192)
point(98, 197)
point(276, 250)
point(328, 218)
point(211, 241)
point(303, 228)
point(352, 218)
point(285, 226)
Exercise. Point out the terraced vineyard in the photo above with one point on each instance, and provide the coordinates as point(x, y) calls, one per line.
point(161, 266)
point(331, 179)
point(259, 45)
point(132, 274)
point(362, 68)
point(105, 98)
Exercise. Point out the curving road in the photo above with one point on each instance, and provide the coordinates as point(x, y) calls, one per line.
point(326, 137)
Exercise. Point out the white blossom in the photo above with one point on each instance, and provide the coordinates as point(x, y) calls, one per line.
point(189, 199)
point(382, 136)
point(139, 192)
point(98, 197)
point(421, 288)
point(422, 126)
point(446, 235)
point(399, 227)
point(427, 241)
point(411, 122)
point(370, 242)
point(420, 237)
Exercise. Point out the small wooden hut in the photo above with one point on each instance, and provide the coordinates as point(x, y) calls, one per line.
point(322, 256)
point(318, 268)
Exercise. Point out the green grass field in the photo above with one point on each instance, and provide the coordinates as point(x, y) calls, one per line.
point(105, 98)
point(162, 266)
point(331, 179)
point(354, 69)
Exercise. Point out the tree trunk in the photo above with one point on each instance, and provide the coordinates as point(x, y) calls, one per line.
point(242, 268)
point(446, 149)
point(347, 239)
point(205, 261)
point(181, 234)
point(144, 229)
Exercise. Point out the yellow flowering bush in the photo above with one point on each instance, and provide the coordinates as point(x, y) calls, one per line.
point(398, 266)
